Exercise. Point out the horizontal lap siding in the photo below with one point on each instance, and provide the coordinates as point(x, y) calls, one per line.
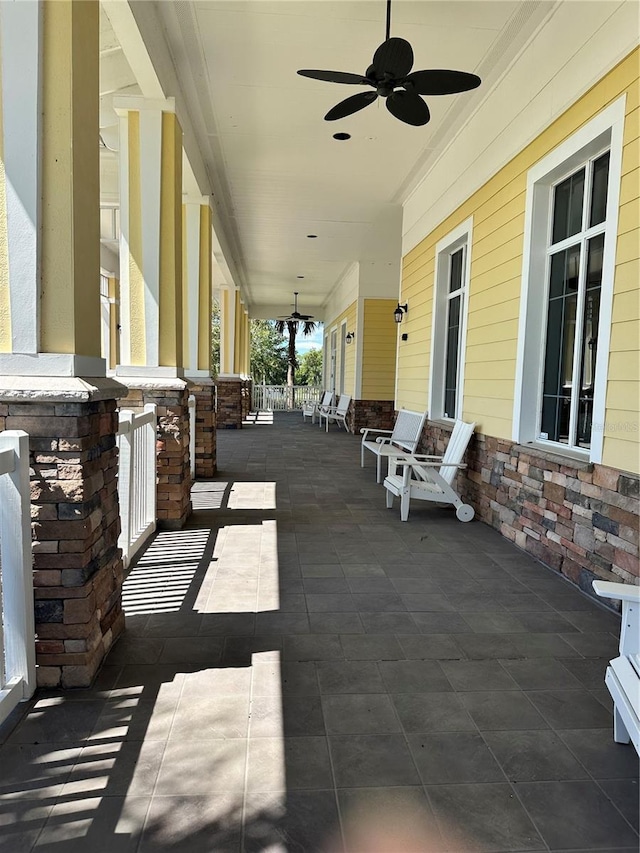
point(498, 210)
point(379, 350)
point(621, 427)
point(349, 315)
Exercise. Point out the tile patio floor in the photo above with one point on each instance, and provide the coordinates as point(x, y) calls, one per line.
point(300, 664)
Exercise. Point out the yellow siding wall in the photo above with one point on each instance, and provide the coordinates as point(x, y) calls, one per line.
point(498, 210)
point(350, 316)
point(5, 307)
point(379, 350)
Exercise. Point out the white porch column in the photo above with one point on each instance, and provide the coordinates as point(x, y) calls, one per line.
point(150, 238)
point(197, 287)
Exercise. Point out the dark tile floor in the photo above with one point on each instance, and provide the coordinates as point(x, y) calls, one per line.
point(300, 667)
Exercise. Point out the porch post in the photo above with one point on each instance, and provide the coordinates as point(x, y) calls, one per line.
point(197, 289)
point(230, 382)
point(53, 379)
point(151, 297)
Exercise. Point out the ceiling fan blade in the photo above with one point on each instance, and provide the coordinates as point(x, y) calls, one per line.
point(351, 105)
point(408, 107)
point(393, 57)
point(438, 81)
point(334, 76)
point(306, 317)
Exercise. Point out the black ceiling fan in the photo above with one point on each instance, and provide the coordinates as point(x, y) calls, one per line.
point(295, 314)
point(390, 76)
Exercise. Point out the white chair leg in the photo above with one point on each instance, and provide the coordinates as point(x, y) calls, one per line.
point(405, 499)
point(379, 469)
point(620, 733)
point(389, 498)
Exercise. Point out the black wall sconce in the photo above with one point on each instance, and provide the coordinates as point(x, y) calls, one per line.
point(400, 311)
point(349, 337)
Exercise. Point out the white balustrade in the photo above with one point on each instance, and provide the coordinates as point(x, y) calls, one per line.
point(136, 478)
point(17, 631)
point(283, 398)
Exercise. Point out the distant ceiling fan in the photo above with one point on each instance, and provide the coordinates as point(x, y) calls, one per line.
point(295, 314)
point(389, 75)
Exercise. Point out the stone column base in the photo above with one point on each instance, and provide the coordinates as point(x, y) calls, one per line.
point(204, 392)
point(78, 572)
point(171, 396)
point(229, 414)
point(375, 414)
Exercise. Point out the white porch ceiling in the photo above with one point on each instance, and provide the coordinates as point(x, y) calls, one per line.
point(275, 171)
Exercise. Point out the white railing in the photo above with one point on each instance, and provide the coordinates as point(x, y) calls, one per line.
point(17, 631)
point(282, 398)
point(192, 435)
point(136, 479)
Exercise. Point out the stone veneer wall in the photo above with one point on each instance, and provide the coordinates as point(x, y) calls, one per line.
point(579, 518)
point(204, 392)
point(78, 571)
point(174, 472)
point(375, 414)
point(246, 397)
point(229, 414)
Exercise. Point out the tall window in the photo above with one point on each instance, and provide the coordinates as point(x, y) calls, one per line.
point(454, 318)
point(449, 323)
point(566, 300)
point(575, 257)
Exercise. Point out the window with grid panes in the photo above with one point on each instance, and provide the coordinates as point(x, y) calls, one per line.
point(453, 337)
point(574, 265)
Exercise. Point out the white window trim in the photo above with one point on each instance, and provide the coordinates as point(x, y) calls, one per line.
point(606, 129)
point(343, 355)
point(456, 239)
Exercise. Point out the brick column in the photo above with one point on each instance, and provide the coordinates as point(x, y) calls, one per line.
point(374, 414)
point(78, 572)
point(229, 415)
point(174, 475)
point(204, 392)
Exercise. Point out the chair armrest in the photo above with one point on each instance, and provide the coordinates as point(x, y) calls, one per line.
point(417, 463)
point(366, 430)
point(621, 591)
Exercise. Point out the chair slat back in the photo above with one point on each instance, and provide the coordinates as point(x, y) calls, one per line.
point(343, 404)
point(327, 399)
point(458, 442)
point(407, 429)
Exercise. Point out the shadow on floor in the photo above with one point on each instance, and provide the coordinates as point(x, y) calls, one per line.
point(300, 667)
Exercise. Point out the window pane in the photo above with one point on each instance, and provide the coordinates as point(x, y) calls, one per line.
point(590, 328)
point(451, 366)
point(567, 207)
point(455, 278)
point(565, 269)
point(558, 368)
point(599, 190)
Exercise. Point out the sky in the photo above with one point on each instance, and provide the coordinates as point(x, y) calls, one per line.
point(314, 341)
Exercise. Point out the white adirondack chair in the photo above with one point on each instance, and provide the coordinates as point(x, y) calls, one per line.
point(310, 408)
point(404, 436)
point(623, 673)
point(430, 478)
point(336, 413)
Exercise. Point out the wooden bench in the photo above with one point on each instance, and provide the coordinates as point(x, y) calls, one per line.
point(403, 437)
point(623, 673)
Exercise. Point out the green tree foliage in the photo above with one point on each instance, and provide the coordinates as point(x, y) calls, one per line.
point(289, 329)
point(310, 368)
point(268, 353)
